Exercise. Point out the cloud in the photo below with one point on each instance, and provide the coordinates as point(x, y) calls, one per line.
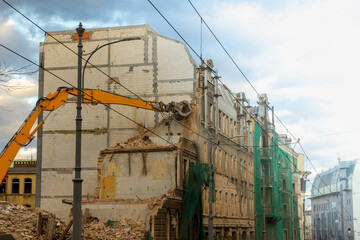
point(303, 54)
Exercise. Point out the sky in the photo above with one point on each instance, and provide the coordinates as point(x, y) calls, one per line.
point(304, 54)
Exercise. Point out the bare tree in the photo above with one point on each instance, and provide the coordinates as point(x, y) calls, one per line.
point(8, 72)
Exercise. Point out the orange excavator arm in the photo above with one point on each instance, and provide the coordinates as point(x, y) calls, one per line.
point(95, 96)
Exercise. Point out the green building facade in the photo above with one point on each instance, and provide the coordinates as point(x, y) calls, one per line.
point(276, 207)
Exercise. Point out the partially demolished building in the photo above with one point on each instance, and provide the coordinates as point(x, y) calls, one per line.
point(141, 164)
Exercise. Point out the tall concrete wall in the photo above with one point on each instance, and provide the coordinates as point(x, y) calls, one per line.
point(154, 67)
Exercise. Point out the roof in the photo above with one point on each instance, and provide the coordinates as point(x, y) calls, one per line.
point(330, 181)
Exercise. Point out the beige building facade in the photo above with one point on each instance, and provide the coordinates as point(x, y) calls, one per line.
point(152, 66)
point(127, 164)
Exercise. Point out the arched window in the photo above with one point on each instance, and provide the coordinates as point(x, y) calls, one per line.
point(27, 185)
point(177, 224)
point(168, 224)
point(15, 185)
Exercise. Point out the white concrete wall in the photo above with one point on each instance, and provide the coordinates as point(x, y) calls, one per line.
point(154, 67)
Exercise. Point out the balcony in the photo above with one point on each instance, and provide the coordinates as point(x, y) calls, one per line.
point(265, 154)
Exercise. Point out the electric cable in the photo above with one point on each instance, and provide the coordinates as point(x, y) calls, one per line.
point(98, 101)
point(47, 33)
point(176, 32)
point(247, 80)
point(222, 46)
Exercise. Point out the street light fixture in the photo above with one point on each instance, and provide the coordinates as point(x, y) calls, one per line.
point(98, 48)
point(77, 194)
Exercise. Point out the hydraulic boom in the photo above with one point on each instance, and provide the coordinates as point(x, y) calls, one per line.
point(94, 96)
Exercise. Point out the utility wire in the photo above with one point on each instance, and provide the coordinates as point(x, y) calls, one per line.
point(175, 31)
point(63, 80)
point(70, 84)
point(98, 101)
point(222, 46)
point(201, 57)
point(90, 62)
point(206, 64)
point(47, 33)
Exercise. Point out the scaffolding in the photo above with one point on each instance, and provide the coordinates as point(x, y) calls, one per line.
point(274, 195)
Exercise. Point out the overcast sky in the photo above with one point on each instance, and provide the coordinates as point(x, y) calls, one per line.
point(303, 54)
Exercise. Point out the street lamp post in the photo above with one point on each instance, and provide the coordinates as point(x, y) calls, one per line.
point(77, 194)
point(77, 180)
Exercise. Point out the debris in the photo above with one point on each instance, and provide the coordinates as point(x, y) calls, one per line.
point(21, 222)
point(115, 229)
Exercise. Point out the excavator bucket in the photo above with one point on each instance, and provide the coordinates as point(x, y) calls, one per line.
point(180, 109)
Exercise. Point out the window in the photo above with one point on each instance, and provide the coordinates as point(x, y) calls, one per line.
point(227, 125)
point(220, 160)
point(215, 211)
point(185, 167)
point(284, 184)
point(15, 186)
point(211, 113)
point(220, 121)
point(232, 205)
point(168, 224)
point(3, 187)
point(235, 168)
point(226, 205)
point(28, 185)
point(205, 204)
point(241, 206)
point(206, 156)
point(235, 205)
point(177, 225)
point(220, 208)
point(294, 188)
point(285, 210)
point(226, 160)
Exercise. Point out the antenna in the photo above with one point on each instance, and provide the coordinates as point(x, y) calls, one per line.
point(339, 157)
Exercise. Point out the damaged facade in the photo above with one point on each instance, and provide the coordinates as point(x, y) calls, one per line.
point(137, 169)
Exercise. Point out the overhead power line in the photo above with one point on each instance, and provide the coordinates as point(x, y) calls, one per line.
point(75, 53)
point(181, 38)
point(200, 57)
point(226, 51)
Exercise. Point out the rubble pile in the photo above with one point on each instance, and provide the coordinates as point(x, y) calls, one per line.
point(115, 229)
point(21, 221)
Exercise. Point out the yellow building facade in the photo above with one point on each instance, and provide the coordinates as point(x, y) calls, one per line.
point(19, 185)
